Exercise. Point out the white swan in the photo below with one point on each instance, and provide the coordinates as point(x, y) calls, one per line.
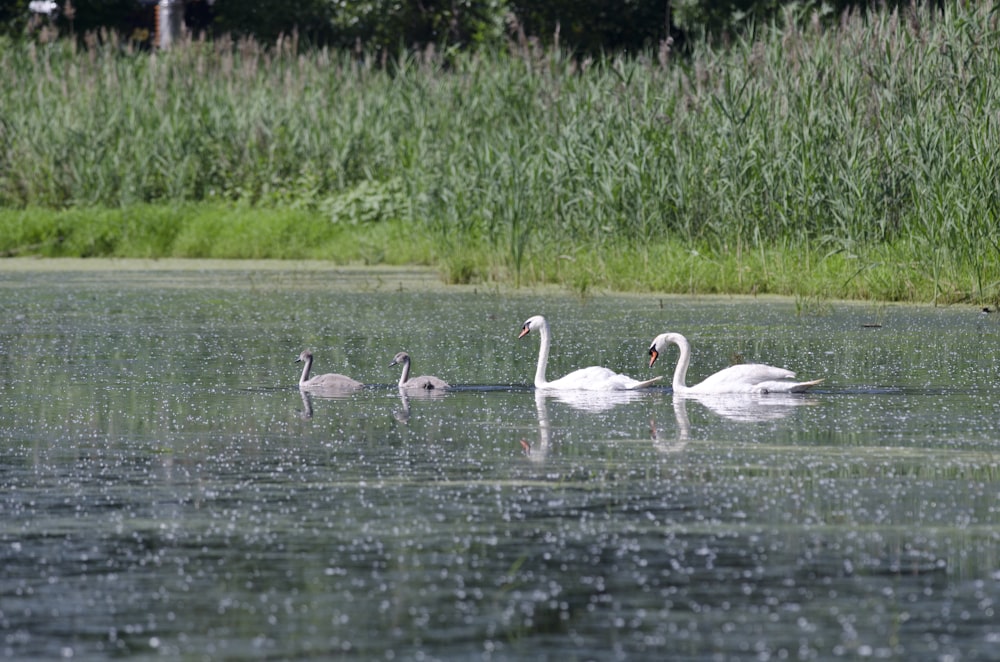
point(427, 382)
point(328, 382)
point(743, 378)
point(593, 378)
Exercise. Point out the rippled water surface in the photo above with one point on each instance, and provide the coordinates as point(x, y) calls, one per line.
point(166, 490)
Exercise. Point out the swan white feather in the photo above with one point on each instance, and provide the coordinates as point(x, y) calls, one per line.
point(742, 378)
point(594, 378)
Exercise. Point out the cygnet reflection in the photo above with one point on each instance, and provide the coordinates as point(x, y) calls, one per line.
point(307, 405)
point(402, 414)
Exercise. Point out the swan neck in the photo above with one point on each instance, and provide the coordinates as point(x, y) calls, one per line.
point(683, 361)
point(405, 375)
point(544, 429)
point(543, 356)
point(305, 370)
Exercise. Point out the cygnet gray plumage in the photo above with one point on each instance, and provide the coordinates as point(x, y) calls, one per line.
point(328, 382)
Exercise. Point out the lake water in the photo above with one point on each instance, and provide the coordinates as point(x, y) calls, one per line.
point(165, 490)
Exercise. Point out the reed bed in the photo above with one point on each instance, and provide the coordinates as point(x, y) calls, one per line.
point(850, 162)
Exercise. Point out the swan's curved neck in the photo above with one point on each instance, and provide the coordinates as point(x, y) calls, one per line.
point(405, 375)
point(305, 370)
point(680, 372)
point(543, 355)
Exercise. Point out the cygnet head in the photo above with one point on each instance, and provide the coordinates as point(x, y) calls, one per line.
point(402, 357)
point(306, 355)
point(535, 322)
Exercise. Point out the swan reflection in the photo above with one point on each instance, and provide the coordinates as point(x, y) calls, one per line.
point(586, 401)
point(742, 408)
point(537, 452)
point(666, 445)
point(592, 401)
point(748, 407)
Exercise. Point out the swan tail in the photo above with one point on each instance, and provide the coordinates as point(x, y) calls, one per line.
point(645, 384)
point(805, 386)
point(783, 387)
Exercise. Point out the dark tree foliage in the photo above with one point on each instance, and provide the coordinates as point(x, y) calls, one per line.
point(266, 20)
point(585, 26)
point(17, 21)
point(715, 18)
point(124, 16)
point(394, 24)
point(374, 25)
point(13, 16)
point(595, 26)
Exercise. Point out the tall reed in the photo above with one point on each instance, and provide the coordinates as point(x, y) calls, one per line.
point(871, 142)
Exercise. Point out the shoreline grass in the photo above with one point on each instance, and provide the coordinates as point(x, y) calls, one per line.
point(217, 231)
point(854, 162)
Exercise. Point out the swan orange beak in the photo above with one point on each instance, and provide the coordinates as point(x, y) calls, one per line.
point(525, 330)
point(653, 354)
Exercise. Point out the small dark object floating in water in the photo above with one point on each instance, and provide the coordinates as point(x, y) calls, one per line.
point(871, 326)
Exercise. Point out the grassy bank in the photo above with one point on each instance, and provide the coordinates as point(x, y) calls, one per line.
point(856, 162)
point(886, 272)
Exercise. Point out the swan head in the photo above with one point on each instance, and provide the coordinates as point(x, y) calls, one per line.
point(536, 322)
point(402, 357)
point(657, 346)
point(306, 355)
point(660, 343)
point(654, 353)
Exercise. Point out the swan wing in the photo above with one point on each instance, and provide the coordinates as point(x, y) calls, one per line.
point(645, 384)
point(597, 378)
point(786, 386)
point(594, 378)
point(742, 378)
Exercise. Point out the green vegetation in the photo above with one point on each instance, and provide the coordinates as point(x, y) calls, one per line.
point(855, 162)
